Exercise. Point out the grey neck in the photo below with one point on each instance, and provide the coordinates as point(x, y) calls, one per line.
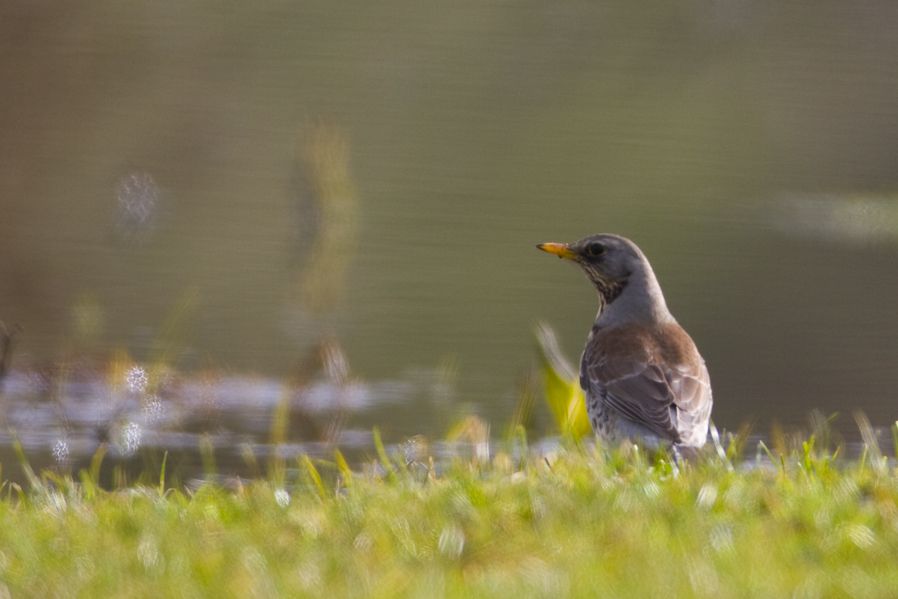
point(639, 301)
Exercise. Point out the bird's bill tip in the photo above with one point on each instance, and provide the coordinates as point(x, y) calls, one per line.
point(562, 250)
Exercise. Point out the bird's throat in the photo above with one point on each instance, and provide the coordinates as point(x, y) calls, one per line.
point(609, 291)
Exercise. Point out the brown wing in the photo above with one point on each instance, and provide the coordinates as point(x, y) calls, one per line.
point(653, 377)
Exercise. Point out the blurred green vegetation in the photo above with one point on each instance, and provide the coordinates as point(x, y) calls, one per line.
point(561, 387)
point(577, 522)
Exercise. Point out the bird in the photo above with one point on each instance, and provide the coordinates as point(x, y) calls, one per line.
point(643, 376)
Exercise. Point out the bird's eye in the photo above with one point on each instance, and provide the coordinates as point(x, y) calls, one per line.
point(595, 249)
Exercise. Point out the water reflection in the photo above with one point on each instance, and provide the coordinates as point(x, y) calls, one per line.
point(70, 412)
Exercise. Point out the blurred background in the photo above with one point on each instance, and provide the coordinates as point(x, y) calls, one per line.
point(229, 188)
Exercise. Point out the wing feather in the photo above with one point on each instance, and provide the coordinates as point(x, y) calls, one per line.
point(671, 400)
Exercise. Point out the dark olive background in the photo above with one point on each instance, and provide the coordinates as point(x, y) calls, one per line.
point(750, 148)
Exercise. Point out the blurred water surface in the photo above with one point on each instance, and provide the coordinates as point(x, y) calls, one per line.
point(221, 186)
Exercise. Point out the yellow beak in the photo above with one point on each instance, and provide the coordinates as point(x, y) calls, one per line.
point(562, 250)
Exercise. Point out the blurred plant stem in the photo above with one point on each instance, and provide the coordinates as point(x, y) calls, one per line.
point(329, 204)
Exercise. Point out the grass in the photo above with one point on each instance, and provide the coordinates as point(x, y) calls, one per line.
point(581, 522)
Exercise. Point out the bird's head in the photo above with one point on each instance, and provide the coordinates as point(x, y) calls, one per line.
point(608, 261)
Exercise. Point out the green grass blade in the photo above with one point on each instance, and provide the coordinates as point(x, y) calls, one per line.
point(382, 454)
point(313, 475)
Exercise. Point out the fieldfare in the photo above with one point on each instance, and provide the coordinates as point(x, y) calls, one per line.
point(643, 376)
